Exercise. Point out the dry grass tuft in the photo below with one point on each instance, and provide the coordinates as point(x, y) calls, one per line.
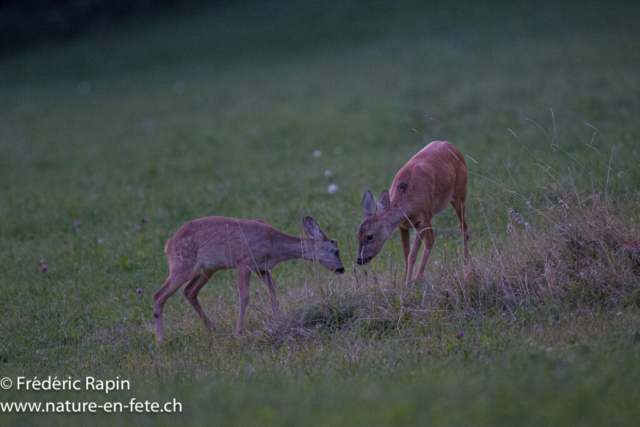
point(577, 255)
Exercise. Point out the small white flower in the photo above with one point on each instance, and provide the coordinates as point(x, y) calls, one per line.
point(100, 241)
point(332, 188)
point(327, 173)
point(317, 153)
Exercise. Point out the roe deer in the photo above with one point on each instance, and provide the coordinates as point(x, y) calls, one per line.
point(430, 180)
point(206, 245)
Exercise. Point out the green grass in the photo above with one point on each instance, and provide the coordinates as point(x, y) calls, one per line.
point(219, 114)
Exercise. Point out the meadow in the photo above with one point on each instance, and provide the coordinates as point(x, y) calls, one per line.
point(110, 142)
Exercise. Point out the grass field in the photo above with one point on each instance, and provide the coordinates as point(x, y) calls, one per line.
point(219, 113)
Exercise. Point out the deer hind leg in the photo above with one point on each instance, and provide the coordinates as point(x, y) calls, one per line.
point(429, 239)
point(244, 274)
point(191, 294)
point(178, 276)
point(460, 208)
point(267, 279)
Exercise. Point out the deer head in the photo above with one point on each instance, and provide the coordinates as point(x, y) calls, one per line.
point(374, 229)
point(319, 248)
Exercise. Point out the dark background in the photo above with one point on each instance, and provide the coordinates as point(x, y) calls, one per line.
point(31, 23)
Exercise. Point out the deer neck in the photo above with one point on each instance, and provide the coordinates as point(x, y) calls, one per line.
point(291, 247)
point(394, 218)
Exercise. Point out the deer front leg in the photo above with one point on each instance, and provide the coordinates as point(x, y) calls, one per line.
point(244, 275)
point(413, 255)
point(268, 281)
point(406, 247)
point(429, 240)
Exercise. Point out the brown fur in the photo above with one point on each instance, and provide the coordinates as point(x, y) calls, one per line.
point(432, 179)
point(207, 245)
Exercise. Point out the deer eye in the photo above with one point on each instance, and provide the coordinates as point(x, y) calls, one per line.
point(370, 237)
point(337, 253)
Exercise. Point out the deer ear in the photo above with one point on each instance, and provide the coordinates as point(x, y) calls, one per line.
point(383, 202)
point(368, 207)
point(312, 229)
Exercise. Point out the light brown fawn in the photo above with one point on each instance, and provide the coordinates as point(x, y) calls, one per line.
point(430, 180)
point(207, 245)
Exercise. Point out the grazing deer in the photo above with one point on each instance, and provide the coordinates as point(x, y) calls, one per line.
point(432, 179)
point(207, 245)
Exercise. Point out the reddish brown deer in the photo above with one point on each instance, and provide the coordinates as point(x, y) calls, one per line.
point(207, 245)
point(432, 179)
